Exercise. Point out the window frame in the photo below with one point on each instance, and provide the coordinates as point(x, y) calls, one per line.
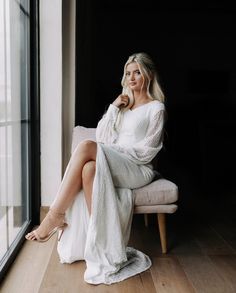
point(34, 142)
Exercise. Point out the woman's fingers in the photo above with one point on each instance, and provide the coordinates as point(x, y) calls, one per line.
point(121, 101)
point(125, 100)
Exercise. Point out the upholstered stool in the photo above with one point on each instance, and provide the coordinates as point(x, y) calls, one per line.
point(158, 197)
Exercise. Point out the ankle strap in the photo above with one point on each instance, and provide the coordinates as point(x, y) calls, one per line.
point(54, 211)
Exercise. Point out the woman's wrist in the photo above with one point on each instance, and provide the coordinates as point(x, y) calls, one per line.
point(112, 110)
point(115, 104)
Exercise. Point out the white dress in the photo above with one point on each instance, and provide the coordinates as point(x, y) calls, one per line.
point(124, 154)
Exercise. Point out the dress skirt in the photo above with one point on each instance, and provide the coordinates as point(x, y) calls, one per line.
point(101, 239)
point(130, 175)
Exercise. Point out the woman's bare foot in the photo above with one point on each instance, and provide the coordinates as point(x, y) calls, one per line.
point(52, 222)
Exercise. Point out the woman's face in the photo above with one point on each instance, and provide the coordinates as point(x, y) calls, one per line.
point(134, 78)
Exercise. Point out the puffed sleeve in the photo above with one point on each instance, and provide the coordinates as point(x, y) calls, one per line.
point(144, 151)
point(106, 132)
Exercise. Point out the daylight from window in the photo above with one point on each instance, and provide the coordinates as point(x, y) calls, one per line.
point(14, 122)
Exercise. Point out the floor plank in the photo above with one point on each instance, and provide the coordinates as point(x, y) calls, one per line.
point(226, 267)
point(29, 267)
point(62, 278)
point(169, 277)
point(226, 229)
point(203, 274)
point(211, 242)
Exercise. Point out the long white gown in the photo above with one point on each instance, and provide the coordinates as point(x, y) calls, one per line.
point(125, 150)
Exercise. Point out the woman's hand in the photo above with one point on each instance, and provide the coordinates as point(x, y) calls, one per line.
point(121, 101)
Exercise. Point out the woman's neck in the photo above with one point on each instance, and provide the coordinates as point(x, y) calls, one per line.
point(140, 98)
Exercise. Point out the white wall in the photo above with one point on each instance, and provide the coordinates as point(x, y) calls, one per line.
point(57, 86)
point(50, 98)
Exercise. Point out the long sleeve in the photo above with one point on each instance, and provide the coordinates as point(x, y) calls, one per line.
point(145, 150)
point(106, 132)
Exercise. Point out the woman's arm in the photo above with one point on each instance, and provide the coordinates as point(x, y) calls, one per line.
point(105, 131)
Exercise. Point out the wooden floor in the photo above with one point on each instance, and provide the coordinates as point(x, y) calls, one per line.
point(201, 257)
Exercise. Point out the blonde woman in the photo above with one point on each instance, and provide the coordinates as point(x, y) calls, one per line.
point(94, 204)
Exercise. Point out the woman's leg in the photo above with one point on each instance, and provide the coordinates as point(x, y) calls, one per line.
point(88, 174)
point(72, 180)
point(70, 185)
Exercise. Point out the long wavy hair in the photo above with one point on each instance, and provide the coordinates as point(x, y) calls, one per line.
point(149, 74)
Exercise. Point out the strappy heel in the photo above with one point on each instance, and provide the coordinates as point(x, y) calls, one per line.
point(61, 232)
point(50, 234)
point(52, 215)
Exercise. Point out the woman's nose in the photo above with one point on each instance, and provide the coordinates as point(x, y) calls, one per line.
point(131, 76)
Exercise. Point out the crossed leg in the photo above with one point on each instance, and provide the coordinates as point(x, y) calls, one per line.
point(80, 172)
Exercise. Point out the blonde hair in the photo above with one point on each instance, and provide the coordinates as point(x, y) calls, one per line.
point(149, 73)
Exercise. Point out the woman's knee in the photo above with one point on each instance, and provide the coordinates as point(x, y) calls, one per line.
point(88, 171)
point(87, 148)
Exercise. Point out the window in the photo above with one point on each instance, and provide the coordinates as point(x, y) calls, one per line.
point(18, 147)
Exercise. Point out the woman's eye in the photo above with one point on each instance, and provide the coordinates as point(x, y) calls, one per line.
point(127, 73)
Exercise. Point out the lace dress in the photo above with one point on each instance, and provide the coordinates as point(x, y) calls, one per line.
point(140, 135)
point(126, 144)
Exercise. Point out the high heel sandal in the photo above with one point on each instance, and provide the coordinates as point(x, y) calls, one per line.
point(52, 213)
point(50, 234)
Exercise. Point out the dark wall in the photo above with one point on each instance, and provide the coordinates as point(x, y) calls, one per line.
point(194, 50)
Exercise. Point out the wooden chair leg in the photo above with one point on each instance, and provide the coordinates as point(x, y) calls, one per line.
point(162, 229)
point(146, 220)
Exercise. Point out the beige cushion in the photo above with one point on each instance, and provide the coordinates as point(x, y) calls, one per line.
point(81, 133)
point(160, 191)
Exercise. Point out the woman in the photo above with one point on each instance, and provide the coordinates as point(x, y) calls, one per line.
point(103, 173)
